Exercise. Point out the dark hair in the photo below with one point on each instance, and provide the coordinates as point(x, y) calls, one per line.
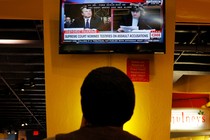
point(135, 8)
point(107, 97)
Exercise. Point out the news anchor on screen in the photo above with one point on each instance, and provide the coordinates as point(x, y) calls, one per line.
point(87, 20)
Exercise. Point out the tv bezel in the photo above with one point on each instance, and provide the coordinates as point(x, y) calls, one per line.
point(126, 48)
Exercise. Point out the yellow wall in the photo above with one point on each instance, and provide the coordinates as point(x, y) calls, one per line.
point(193, 138)
point(192, 84)
point(3, 136)
point(65, 73)
point(194, 11)
point(21, 9)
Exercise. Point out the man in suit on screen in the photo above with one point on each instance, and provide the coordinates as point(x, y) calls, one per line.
point(134, 19)
point(87, 20)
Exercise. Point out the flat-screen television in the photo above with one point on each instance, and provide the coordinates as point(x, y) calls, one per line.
point(112, 26)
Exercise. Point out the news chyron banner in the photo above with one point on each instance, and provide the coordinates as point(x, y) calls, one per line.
point(93, 35)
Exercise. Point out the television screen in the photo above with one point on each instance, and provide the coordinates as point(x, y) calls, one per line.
point(112, 26)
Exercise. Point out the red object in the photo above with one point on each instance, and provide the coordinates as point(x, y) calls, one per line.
point(184, 100)
point(138, 70)
point(35, 133)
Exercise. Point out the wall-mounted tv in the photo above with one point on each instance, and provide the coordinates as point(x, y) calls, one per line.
point(112, 26)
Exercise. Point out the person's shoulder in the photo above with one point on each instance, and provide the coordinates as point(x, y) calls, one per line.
point(66, 136)
point(61, 136)
point(129, 136)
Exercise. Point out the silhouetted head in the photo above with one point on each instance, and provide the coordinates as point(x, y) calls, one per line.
point(107, 97)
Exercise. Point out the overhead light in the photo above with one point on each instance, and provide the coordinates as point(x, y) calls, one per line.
point(14, 41)
point(12, 132)
point(24, 124)
point(32, 84)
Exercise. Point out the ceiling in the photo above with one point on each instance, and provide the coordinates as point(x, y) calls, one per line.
point(192, 50)
point(22, 81)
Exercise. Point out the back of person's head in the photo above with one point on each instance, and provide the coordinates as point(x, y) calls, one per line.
point(107, 97)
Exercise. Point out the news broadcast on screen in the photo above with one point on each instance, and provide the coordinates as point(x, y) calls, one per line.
point(112, 22)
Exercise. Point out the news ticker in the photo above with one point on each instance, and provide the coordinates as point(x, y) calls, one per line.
point(95, 35)
point(109, 5)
